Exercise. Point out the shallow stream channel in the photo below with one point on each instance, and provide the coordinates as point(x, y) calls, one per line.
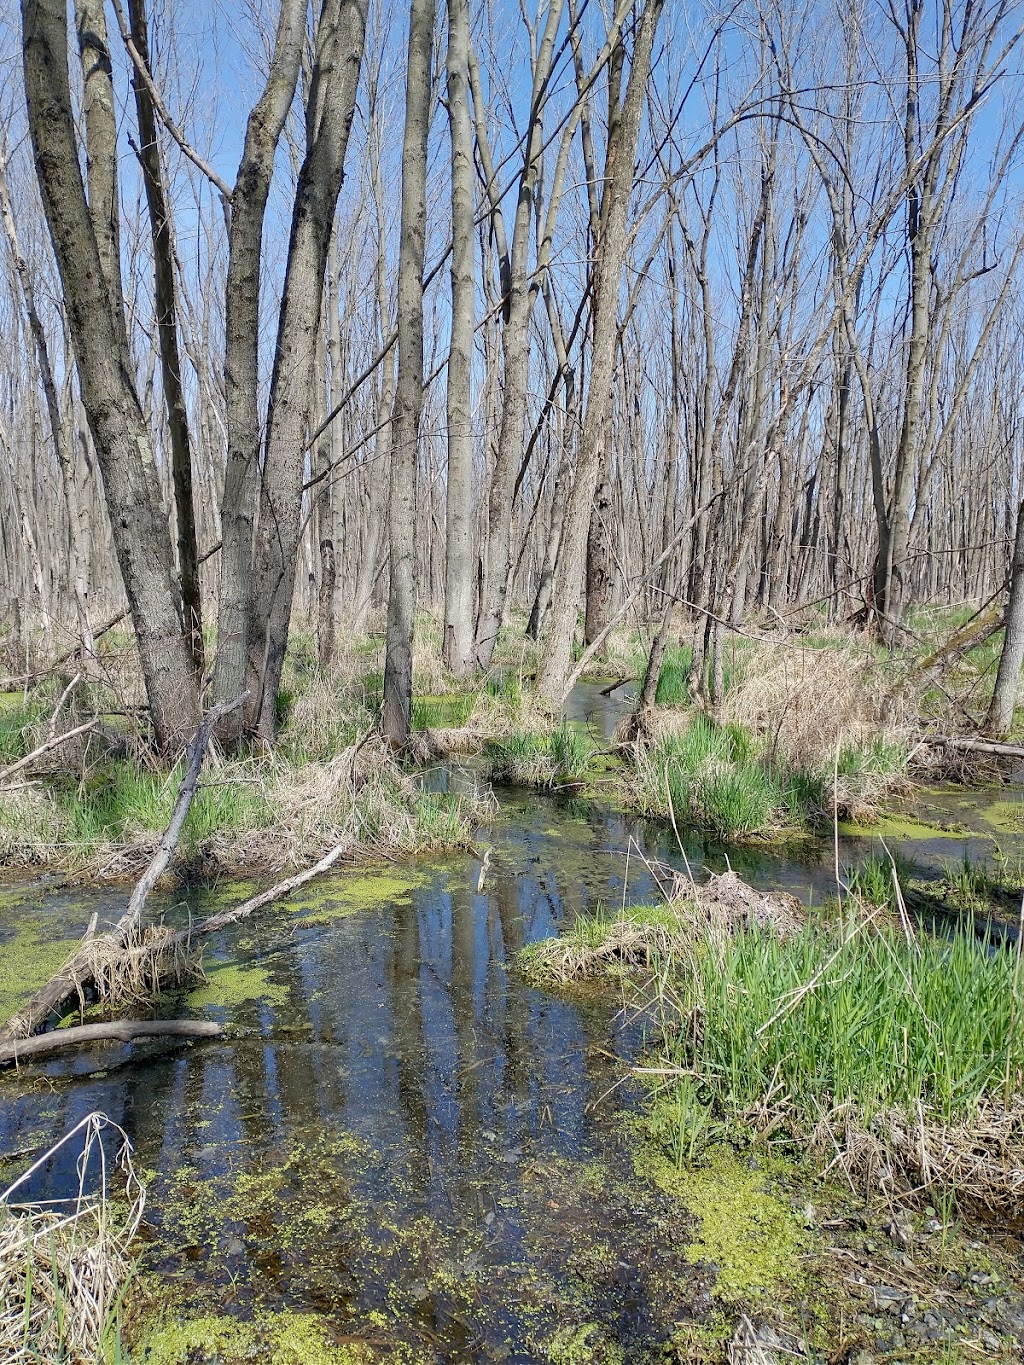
point(400, 1147)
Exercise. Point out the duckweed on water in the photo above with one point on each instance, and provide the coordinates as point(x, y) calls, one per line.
point(367, 889)
point(230, 984)
point(749, 1234)
point(28, 958)
point(278, 1338)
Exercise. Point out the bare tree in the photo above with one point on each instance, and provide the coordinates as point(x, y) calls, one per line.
point(405, 421)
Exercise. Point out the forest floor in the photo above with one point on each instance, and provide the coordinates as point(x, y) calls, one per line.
point(815, 726)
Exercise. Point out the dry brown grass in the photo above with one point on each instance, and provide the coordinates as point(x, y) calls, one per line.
point(804, 701)
point(904, 1154)
point(64, 1265)
point(645, 936)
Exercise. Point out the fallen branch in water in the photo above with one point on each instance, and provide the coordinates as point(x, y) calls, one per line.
point(115, 1030)
point(78, 974)
point(222, 918)
point(972, 745)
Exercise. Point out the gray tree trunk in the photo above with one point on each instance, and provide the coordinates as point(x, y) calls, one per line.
point(557, 649)
point(405, 422)
point(522, 294)
point(330, 104)
point(241, 360)
point(96, 323)
point(999, 720)
point(167, 331)
point(459, 562)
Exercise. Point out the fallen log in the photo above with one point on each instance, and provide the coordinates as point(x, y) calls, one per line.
point(116, 1030)
point(51, 1001)
point(971, 744)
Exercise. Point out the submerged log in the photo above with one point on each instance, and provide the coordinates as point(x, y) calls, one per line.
point(116, 1030)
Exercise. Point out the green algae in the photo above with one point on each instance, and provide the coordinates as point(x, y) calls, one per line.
point(750, 1235)
point(588, 1344)
point(281, 1338)
point(1005, 816)
point(350, 894)
point(230, 984)
point(890, 826)
point(28, 958)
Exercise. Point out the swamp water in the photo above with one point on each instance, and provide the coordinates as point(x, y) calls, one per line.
point(401, 1151)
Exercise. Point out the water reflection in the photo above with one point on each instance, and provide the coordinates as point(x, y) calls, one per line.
point(397, 1125)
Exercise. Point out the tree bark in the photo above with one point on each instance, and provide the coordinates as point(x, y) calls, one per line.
point(554, 664)
point(405, 422)
point(241, 359)
point(999, 721)
point(166, 311)
point(330, 105)
point(458, 584)
point(96, 322)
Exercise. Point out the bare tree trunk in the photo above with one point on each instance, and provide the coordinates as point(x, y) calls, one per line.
point(554, 664)
point(167, 331)
point(458, 579)
point(96, 321)
point(330, 104)
point(405, 422)
point(600, 577)
point(999, 720)
point(325, 616)
point(241, 360)
point(78, 558)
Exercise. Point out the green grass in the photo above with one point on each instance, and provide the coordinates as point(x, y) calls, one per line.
point(672, 687)
point(834, 1017)
point(713, 781)
point(18, 722)
point(532, 758)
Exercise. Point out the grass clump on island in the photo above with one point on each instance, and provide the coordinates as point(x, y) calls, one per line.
point(802, 734)
point(897, 1057)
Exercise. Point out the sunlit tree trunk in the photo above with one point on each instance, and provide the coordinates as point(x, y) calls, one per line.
point(405, 422)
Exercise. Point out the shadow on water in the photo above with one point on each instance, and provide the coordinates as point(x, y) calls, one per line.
point(398, 1131)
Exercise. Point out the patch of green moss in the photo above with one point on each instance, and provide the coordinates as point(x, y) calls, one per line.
point(1005, 816)
point(588, 1344)
point(898, 827)
point(230, 984)
point(278, 1338)
point(752, 1238)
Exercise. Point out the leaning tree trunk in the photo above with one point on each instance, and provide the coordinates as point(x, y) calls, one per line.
point(409, 388)
point(330, 105)
point(122, 441)
point(167, 332)
point(999, 720)
point(458, 569)
point(241, 360)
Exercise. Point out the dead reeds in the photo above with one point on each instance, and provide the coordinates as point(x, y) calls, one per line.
point(64, 1264)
